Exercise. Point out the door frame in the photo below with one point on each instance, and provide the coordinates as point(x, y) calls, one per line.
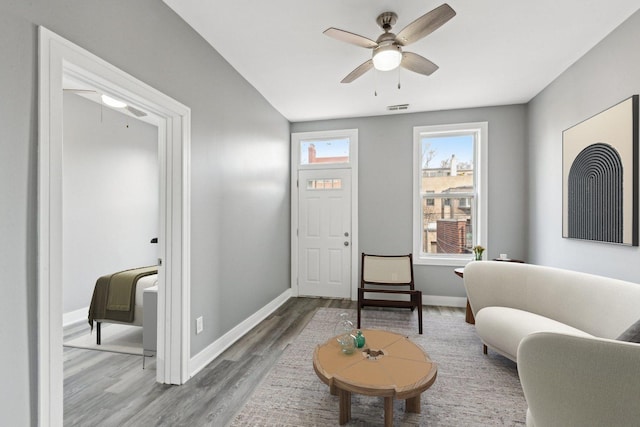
point(59, 57)
point(296, 138)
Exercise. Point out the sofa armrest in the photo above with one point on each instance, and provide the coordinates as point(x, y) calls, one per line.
point(601, 306)
point(493, 283)
point(577, 381)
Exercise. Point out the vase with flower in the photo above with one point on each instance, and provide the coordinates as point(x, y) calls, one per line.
point(477, 252)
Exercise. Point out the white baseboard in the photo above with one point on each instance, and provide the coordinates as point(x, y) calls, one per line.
point(75, 316)
point(213, 350)
point(444, 301)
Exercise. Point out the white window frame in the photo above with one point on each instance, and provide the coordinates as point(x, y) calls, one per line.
point(480, 216)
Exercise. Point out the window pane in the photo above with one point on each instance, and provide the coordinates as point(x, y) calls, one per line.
point(447, 225)
point(447, 155)
point(324, 151)
point(447, 183)
point(324, 184)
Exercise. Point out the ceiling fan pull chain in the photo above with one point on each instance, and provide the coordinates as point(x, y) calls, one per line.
point(375, 84)
point(398, 78)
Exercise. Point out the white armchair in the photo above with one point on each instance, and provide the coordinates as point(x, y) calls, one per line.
point(579, 381)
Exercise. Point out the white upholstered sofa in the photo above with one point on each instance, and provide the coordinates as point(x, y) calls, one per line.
point(561, 327)
point(571, 381)
point(511, 301)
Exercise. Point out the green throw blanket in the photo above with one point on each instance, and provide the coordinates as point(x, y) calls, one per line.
point(114, 296)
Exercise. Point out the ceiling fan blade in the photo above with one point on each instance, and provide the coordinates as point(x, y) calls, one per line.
point(363, 68)
point(135, 111)
point(418, 64)
point(79, 90)
point(352, 38)
point(425, 25)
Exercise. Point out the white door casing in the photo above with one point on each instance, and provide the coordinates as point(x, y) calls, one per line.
point(352, 169)
point(57, 58)
point(324, 233)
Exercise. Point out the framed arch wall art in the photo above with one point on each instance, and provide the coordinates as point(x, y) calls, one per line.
point(600, 176)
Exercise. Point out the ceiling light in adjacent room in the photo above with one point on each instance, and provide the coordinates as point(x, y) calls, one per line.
point(113, 102)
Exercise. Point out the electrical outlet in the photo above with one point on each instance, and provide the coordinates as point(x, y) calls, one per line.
point(199, 325)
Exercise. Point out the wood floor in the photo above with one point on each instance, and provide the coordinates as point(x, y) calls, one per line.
point(109, 389)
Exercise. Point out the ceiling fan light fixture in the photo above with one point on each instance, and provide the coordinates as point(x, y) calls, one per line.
point(387, 49)
point(113, 102)
point(386, 58)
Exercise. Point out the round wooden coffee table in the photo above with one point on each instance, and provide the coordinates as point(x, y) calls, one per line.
point(389, 366)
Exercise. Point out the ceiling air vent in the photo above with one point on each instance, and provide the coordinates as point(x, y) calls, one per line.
point(398, 107)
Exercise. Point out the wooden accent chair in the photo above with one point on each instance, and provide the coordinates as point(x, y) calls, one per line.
point(391, 275)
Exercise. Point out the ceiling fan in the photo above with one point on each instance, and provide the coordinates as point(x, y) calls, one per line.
point(387, 49)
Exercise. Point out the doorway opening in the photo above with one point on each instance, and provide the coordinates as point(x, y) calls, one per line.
point(110, 183)
point(60, 59)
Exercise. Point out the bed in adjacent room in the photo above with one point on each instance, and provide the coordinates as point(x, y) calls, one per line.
point(118, 297)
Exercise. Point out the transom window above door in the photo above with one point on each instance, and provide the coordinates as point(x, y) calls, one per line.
point(324, 151)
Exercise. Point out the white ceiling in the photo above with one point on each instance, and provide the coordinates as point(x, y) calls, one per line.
point(493, 52)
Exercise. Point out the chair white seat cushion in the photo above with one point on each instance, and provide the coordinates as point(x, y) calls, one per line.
point(502, 328)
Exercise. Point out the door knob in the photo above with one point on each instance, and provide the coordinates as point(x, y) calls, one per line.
point(346, 243)
point(346, 234)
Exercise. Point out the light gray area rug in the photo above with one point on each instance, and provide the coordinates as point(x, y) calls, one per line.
point(115, 338)
point(471, 389)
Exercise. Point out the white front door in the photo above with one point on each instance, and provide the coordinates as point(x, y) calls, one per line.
point(324, 234)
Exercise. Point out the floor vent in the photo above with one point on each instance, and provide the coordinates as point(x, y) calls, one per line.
point(398, 107)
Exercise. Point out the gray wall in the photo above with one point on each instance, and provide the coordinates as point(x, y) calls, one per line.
point(240, 196)
point(240, 171)
point(110, 188)
point(606, 75)
point(385, 180)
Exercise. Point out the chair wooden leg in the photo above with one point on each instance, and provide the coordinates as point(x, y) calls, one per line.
point(98, 337)
point(484, 349)
point(359, 315)
point(419, 306)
